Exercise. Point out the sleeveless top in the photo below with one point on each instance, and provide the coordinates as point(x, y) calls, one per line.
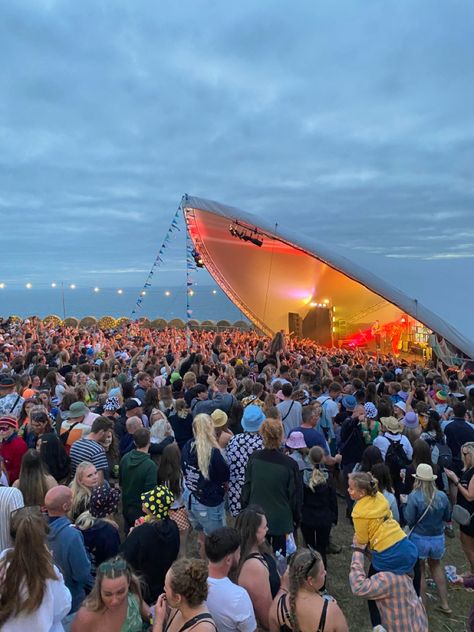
point(270, 564)
point(284, 614)
point(133, 621)
point(204, 616)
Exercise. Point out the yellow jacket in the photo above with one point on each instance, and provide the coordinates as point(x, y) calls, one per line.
point(374, 524)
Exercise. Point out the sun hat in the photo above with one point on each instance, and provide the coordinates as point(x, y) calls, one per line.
point(112, 403)
point(349, 402)
point(104, 500)
point(391, 423)
point(401, 405)
point(371, 411)
point(252, 418)
point(410, 420)
point(219, 418)
point(77, 409)
point(8, 420)
point(424, 472)
point(398, 371)
point(158, 500)
point(296, 440)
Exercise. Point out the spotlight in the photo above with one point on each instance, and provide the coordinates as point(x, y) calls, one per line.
point(53, 284)
point(119, 291)
point(72, 286)
point(198, 259)
point(29, 286)
point(167, 293)
point(246, 236)
point(96, 289)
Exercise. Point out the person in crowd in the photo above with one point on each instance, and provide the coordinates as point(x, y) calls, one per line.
point(33, 595)
point(138, 474)
point(206, 474)
point(10, 401)
point(301, 607)
point(40, 424)
point(257, 569)
point(396, 450)
point(398, 605)
point(111, 447)
point(182, 606)
point(381, 472)
point(171, 475)
point(228, 603)
point(54, 456)
point(78, 423)
point(329, 410)
point(181, 422)
point(238, 451)
point(84, 482)
point(273, 481)
point(370, 426)
point(425, 511)
point(221, 430)
point(144, 382)
point(67, 545)
point(115, 601)
point(90, 448)
point(153, 544)
point(352, 446)
point(458, 432)
point(12, 447)
point(411, 426)
point(126, 442)
point(10, 500)
point(34, 481)
point(290, 410)
point(100, 531)
point(464, 483)
point(320, 511)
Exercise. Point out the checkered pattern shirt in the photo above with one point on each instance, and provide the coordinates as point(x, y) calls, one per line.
point(400, 608)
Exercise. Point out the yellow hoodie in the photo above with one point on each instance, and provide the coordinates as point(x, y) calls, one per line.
point(374, 524)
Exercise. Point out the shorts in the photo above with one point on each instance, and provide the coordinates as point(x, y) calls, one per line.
point(203, 518)
point(430, 547)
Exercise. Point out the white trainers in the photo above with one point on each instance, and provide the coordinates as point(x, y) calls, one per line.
point(379, 628)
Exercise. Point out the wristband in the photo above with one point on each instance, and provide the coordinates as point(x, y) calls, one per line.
point(358, 549)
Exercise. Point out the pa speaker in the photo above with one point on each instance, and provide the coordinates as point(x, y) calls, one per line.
point(317, 325)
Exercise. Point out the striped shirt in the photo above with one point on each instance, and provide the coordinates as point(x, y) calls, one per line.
point(88, 450)
point(400, 608)
point(10, 499)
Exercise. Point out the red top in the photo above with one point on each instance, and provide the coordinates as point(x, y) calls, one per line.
point(12, 451)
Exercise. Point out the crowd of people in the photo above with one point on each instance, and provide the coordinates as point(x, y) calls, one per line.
point(186, 480)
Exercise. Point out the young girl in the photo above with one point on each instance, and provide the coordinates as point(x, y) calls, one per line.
point(375, 526)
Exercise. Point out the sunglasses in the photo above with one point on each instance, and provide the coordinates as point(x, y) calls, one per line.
point(118, 564)
point(315, 558)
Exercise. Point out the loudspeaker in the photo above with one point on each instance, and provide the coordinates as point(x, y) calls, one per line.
point(295, 324)
point(317, 325)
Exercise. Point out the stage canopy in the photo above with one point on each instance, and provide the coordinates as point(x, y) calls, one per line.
point(269, 272)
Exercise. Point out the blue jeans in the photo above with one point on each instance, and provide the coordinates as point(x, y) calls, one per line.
point(203, 518)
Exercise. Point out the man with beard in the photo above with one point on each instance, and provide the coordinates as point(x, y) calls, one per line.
point(228, 603)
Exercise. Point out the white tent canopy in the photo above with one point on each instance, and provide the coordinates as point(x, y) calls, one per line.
point(286, 272)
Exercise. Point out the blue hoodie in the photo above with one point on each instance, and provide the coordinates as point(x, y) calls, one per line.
point(69, 553)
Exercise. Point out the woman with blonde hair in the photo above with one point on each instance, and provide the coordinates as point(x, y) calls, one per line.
point(115, 602)
point(84, 481)
point(465, 500)
point(32, 591)
point(34, 481)
point(299, 608)
point(273, 481)
point(205, 474)
point(426, 511)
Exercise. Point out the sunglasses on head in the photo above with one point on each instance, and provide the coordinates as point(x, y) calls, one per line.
point(118, 564)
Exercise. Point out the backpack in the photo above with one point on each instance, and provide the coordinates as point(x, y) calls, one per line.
point(396, 458)
point(445, 456)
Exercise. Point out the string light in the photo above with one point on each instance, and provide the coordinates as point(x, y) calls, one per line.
point(96, 289)
point(143, 293)
point(72, 286)
point(53, 284)
point(191, 292)
point(214, 291)
point(2, 286)
point(119, 291)
point(167, 293)
point(29, 286)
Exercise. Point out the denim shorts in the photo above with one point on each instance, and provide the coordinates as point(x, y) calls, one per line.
point(203, 518)
point(430, 547)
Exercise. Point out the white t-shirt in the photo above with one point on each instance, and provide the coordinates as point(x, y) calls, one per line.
point(230, 606)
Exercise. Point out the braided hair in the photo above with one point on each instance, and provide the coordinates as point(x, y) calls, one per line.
point(303, 564)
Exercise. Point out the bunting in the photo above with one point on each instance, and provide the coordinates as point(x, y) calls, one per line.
point(157, 262)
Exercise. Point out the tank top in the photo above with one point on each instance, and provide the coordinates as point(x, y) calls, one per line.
point(284, 614)
point(204, 616)
point(270, 564)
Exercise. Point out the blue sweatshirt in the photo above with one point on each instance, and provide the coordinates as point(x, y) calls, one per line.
point(69, 553)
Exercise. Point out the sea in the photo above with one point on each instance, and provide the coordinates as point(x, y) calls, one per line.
point(206, 303)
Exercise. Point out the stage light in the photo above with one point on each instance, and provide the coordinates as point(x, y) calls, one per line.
point(326, 301)
point(214, 291)
point(143, 293)
point(53, 284)
point(29, 286)
point(403, 320)
point(198, 259)
point(72, 286)
point(191, 292)
point(2, 286)
point(96, 289)
point(119, 291)
point(167, 293)
point(313, 304)
point(250, 236)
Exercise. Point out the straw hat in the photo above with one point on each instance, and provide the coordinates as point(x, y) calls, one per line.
point(391, 423)
point(424, 472)
point(219, 418)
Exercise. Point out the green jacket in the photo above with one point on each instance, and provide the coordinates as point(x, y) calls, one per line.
point(138, 474)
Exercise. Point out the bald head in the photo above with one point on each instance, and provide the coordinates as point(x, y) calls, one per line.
point(133, 424)
point(58, 501)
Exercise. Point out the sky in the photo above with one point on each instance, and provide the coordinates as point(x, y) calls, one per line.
point(348, 121)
